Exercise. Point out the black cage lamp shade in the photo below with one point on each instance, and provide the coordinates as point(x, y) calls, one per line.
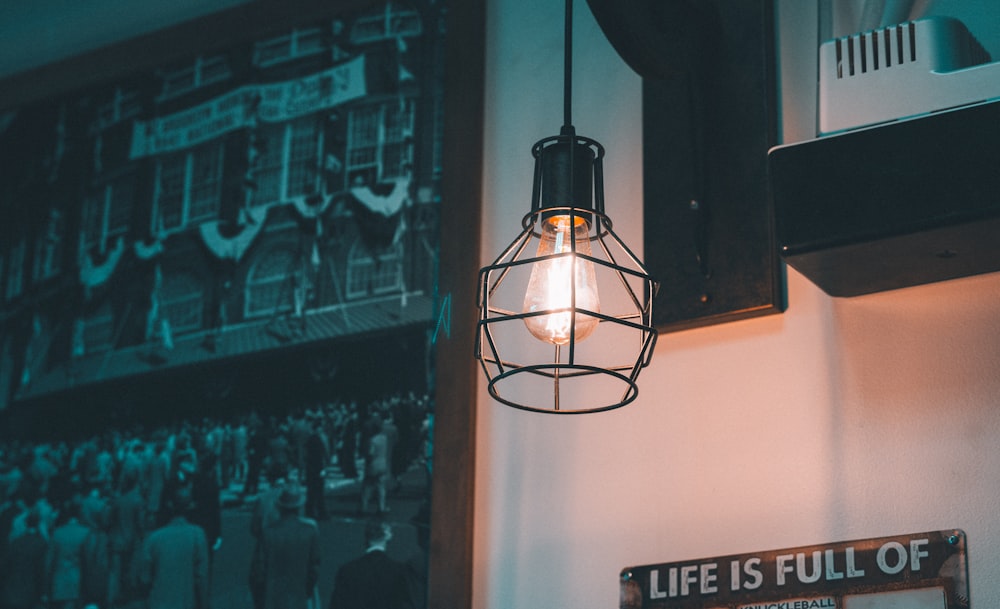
point(565, 311)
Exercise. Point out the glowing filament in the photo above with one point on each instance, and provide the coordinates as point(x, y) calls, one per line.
point(551, 286)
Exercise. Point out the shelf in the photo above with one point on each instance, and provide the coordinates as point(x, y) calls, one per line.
point(892, 206)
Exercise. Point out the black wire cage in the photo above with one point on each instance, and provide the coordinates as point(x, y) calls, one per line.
point(570, 282)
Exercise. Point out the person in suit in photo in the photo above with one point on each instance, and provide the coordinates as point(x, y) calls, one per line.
point(376, 478)
point(285, 566)
point(173, 569)
point(374, 580)
point(315, 465)
point(65, 558)
point(23, 567)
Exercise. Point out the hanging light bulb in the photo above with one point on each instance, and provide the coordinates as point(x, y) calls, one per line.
point(564, 281)
point(577, 251)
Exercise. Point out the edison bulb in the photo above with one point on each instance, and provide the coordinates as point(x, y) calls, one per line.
point(551, 283)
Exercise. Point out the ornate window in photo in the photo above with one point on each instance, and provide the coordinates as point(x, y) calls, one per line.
point(188, 187)
point(49, 248)
point(202, 72)
point(368, 277)
point(272, 283)
point(99, 329)
point(123, 104)
point(379, 142)
point(107, 212)
point(390, 24)
point(14, 284)
point(182, 302)
point(295, 45)
point(288, 165)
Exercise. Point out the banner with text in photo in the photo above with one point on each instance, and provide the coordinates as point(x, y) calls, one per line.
point(273, 102)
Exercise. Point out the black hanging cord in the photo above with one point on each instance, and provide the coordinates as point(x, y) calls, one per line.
point(568, 67)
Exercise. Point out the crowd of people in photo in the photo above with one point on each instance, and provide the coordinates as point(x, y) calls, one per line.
point(132, 517)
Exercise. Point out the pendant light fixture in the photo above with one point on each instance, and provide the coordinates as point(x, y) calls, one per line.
point(565, 312)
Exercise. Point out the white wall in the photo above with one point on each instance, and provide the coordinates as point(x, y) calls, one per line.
point(838, 420)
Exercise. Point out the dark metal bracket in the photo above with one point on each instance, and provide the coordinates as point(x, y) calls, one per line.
point(709, 118)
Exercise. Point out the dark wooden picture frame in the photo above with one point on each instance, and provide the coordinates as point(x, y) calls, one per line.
point(709, 118)
point(458, 62)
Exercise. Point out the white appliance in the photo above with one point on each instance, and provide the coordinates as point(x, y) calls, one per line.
point(902, 71)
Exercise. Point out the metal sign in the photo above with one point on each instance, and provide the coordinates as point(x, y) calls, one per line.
point(918, 571)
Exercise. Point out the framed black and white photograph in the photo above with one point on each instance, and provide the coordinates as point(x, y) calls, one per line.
point(235, 347)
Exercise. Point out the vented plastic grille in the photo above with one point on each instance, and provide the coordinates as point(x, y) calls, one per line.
point(878, 49)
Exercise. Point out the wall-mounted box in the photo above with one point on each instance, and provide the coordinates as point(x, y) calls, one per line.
point(891, 206)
